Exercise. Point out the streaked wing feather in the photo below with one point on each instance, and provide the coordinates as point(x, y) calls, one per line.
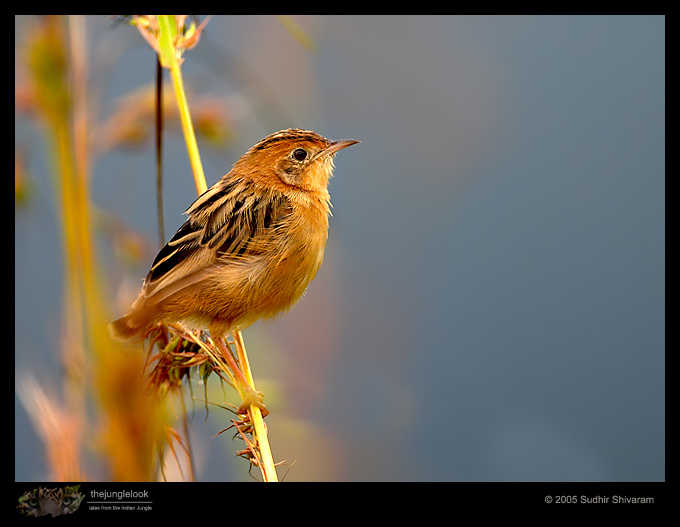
point(227, 222)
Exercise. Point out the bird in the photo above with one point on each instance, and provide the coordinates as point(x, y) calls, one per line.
point(250, 245)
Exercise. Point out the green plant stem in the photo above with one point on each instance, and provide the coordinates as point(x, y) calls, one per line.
point(169, 60)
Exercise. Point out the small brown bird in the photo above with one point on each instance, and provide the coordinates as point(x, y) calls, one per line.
point(251, 243)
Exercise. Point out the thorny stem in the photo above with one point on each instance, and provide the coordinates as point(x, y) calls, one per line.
point(268, 468)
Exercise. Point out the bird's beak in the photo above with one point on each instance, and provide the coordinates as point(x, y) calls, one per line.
point(339, 145)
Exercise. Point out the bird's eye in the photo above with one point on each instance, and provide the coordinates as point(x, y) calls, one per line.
point(300, 154)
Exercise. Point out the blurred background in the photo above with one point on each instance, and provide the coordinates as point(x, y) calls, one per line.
point(492, 302)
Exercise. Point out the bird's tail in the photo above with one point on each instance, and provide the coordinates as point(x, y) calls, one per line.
point(126, 328)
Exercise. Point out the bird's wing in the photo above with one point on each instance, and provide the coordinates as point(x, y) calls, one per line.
point(228, 223)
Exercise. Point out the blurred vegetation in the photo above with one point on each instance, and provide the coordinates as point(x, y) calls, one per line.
point(106, 404)
point(127, 421)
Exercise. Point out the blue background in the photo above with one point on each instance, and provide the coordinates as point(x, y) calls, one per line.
point(492, 303)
